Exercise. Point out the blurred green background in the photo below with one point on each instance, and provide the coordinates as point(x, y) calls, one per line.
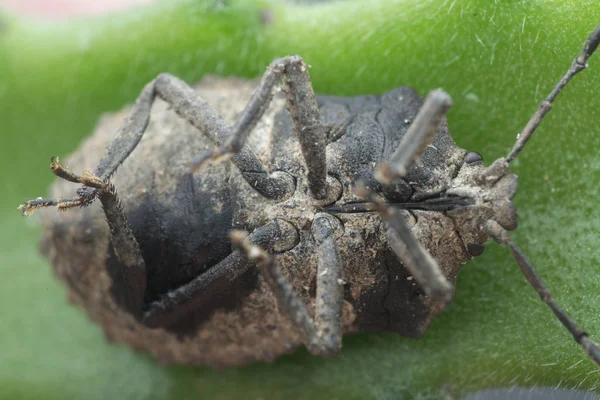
point(497, 60)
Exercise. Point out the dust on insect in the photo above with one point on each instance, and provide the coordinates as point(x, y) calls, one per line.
point(236, 218)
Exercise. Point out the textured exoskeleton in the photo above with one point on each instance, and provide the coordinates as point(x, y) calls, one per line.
point(355, 216)
point(183, 227)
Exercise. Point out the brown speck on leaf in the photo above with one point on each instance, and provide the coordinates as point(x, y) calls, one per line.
point(267, 17)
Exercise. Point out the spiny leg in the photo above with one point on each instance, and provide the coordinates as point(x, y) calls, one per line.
point(171, 306)
point(63, 203)
point(501, 236)
point(420, 134)
point(304, 110)
point(497, 169)
point(132, 282)
point(132, 277)
point(188, 104)
point(197, 111)
point(323, 335)
point(421, 265)
point(119, 148)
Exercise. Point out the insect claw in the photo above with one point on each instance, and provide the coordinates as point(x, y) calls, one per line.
point(31, 206)
point(25, 209)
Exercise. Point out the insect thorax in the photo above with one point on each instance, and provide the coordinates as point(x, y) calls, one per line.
point(362, 132)
point(155, 191)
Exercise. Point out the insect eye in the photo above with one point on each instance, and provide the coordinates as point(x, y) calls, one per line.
point(473, 157)
point(475, 249)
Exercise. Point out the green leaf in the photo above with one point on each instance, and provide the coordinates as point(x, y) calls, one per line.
point(496, 60)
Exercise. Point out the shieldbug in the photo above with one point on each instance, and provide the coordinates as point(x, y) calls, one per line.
point(361, 206)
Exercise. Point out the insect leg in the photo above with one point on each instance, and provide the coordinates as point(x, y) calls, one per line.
point(421, 265)
point(330, 295)
point(132, 282)
point(304, 110)
point(190, 106)
point(501, 236)
point(129, 134)
point(303, 107)
point(132, 277)
point(176, 303)
point(415, 258)
point(420, 134)
point(126, 139)
point(323, 335)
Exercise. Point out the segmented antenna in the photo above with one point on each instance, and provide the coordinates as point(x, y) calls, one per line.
point(579, 64)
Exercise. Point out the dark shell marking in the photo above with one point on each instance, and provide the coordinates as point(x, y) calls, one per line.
point(182, 222)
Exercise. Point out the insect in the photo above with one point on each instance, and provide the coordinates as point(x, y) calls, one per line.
point(362, 209)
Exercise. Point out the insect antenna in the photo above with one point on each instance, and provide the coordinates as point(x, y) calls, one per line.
point(501, 236)
point(497, 169)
